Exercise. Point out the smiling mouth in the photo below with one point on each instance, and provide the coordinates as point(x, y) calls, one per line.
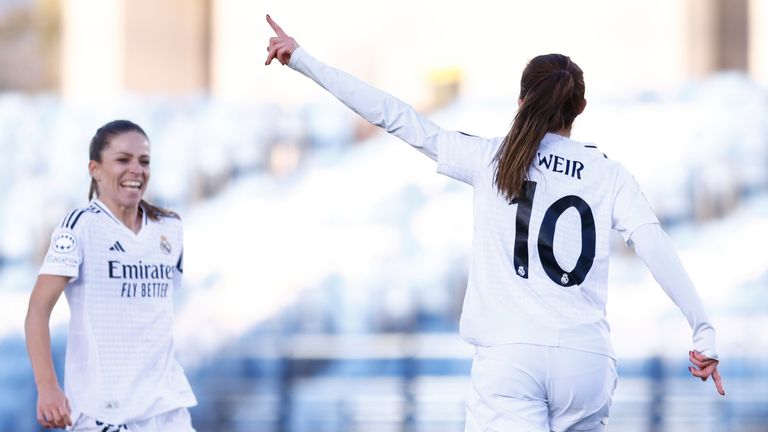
point(131, 184)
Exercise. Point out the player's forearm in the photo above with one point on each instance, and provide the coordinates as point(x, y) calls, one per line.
point(376, 106)
point(38, 339)
point(656, 250)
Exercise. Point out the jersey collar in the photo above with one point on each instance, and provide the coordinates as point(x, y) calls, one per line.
point(553, 138)
point(104, 209)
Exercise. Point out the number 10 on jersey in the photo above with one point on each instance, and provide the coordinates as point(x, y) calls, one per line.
point(547, 236)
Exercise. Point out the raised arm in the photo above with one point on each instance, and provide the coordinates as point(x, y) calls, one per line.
point(374, 105)
point(655, 248)
point(53, 410)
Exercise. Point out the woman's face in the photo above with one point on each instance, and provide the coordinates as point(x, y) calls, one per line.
point(123, 173)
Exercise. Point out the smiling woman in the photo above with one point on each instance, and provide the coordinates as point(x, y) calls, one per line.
point(119, 170)
point(120, 369)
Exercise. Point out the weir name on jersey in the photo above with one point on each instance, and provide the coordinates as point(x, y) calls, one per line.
point(562, 165)
point(148, 278)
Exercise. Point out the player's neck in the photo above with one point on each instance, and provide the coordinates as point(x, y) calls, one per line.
point(566, 132)
point(130, 216)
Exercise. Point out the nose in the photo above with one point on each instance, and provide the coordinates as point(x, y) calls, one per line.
point(135, 167)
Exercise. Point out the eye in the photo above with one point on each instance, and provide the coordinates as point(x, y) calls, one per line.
point(144, 162)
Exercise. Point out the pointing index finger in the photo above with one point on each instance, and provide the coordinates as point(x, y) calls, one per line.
point(718, 382)
point(275, 27)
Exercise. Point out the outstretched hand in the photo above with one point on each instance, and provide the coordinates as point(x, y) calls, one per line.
point(280, 47)
point(704, 368)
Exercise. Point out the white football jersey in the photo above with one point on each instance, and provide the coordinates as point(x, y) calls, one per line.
point(539, 270)
point(120, 363)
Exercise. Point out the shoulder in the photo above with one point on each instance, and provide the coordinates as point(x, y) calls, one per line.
point(611, 170)
point(458, 145)
point(487, 147)
point(463, 157)
point(593, 150)
point(156, 213)
point(68, 233)
point(78, 218)
point(170, 222)
point(170, 219)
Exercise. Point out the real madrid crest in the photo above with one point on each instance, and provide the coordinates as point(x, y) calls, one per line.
point(165, 245)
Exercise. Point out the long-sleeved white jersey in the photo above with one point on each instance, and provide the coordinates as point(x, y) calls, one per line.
point(539, 267)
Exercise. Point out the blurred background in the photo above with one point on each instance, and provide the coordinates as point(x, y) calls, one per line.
point(326, 262)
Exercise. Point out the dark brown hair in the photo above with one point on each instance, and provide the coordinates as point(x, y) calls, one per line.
point(101, 140)
point(551, 95)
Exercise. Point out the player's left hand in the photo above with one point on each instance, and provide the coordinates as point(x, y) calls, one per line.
point(704, 368)
point(280, 47)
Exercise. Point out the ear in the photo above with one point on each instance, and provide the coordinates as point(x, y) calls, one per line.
point(93, 168)
point(582, 106)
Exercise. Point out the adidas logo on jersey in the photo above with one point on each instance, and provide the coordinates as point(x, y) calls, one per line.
point(117, 247)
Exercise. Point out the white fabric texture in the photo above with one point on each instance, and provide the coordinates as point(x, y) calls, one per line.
point(655, 248)
point(533, 388)
point(552, 289)
point(120, 363)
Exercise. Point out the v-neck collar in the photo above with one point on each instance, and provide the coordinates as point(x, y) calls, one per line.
point(104, 209)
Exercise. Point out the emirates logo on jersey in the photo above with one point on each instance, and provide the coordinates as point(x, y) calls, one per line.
point(165, 245)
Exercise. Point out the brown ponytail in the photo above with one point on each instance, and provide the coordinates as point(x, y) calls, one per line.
point(100, 141)
point(93, 191)
point(551, 96)
point(154, 212)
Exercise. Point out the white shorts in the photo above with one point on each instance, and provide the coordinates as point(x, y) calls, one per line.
point(532, 388)
point(177, 420)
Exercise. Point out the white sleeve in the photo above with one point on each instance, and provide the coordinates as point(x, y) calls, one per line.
point(656, 250)
point(630, 207)
point(65, 252)
point(380, 108)
point(375, 106)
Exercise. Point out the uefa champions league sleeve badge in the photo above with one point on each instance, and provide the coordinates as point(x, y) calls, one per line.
point(64, 242)
point(165, 245)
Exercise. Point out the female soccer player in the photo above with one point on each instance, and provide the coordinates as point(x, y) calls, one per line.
point(118, 261)
point(544, 206)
